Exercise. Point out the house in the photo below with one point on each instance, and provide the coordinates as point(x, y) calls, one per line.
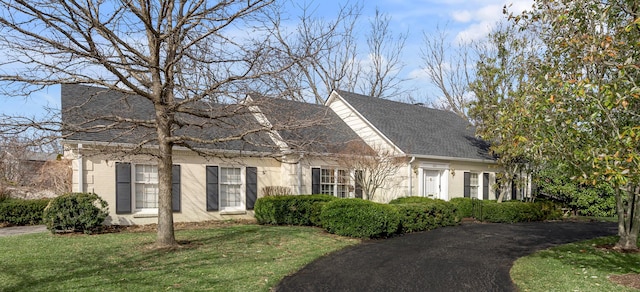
point(443, 158)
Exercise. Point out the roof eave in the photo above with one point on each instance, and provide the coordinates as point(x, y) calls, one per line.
point(180, 148)
point(449, 158)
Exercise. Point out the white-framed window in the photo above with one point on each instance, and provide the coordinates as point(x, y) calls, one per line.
point(342, 183)
point(145, 187)
point(327, 180)
point(335, 182)
point(474, 184)
point(231, 194)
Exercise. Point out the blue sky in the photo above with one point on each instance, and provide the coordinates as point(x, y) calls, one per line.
point(463, 20)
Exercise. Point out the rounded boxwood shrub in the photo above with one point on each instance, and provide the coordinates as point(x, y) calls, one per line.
point(291, 209)
point(83, 212)
point(464, 207)
point(419, 213)
point(413, 200)
point(22, 212)
point(360, 218)
point(512, 212)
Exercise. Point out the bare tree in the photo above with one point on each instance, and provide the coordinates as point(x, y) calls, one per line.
point(380, 77)
point(190, 61)
point(450, 70)
point(335, 60)
point(370, 168)
point(13, 154)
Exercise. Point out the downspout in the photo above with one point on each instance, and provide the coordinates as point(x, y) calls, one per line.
point(300, 174)
point(80, 170)
point(410, 174)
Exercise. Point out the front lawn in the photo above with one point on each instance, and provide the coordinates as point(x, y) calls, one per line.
point(582, 266)
point(233, 258)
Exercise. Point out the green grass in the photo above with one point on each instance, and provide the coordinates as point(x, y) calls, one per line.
point(581, 266)
point(235, 258)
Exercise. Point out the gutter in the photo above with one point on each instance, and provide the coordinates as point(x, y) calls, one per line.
point(80, 170)
point(300, 174)
point(489, 161)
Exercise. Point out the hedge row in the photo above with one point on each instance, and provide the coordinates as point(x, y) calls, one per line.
point(420, 214)
point(22, 212)
point(291, 210)
point(516, 211)
point(360, 218)
point(356, 217)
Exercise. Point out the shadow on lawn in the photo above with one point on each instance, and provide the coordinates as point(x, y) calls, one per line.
point(141, 266)
point(595, 254)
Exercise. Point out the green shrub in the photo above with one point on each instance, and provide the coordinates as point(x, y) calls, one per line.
point(426, 216)
point(291, 210)
point(550, 210)
point(360, 218)
point(512, 212)
point(76, 212)
point(464, 206)
point(22, 212)
point(420, 213)
point(412, 200)
point(555, 182)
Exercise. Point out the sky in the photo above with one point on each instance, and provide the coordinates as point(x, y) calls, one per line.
point(461, 19)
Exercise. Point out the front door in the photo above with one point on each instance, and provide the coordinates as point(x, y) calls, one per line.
point(431, 183)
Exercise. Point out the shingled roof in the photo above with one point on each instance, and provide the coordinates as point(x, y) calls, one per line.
point(418, 130)
point(324, 133)
point(94, 114)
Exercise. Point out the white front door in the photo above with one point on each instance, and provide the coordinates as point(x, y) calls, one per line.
point(431, 184)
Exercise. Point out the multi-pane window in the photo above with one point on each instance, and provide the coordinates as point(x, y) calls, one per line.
point(473, 185)
point(146, 186)
point(230, 188)
point(334, 182)
point(327, 181)
point(342, 185)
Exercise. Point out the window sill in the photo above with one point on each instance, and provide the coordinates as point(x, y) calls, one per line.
point(232, 212)
point(145, 215)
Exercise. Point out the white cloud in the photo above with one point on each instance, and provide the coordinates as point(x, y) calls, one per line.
point(418, 74)
point(461, 16)
point(483, 18)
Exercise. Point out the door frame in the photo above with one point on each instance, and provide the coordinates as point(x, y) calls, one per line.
point(443, 171)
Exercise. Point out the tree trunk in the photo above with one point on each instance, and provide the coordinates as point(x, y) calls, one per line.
point(165, 236)
point(629, 225)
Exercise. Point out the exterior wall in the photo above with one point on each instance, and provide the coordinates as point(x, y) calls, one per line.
point(360, 126)
point(452, 177)
point(99, 177)
point(456, 178)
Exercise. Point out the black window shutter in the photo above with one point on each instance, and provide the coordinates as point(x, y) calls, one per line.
point(212, 188)
point(514, 189)
point(467, 185)
point(252, 186)
point(358, 178)
point(315, 180)
point(123, 188)
point(485, 186)
point(175, 188)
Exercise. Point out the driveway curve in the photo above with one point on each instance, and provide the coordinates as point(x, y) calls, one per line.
point(469, 257)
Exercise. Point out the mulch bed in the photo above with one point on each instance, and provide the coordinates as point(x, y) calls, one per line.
point(629, 280)
point(178, 225)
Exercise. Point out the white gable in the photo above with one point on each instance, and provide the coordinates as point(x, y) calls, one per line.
point(370, 134)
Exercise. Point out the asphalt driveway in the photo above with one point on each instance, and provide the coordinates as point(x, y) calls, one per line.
point(469, 257)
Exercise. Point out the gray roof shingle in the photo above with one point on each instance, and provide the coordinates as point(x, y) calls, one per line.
point(418, 130)
point(325, 132)
point(303, 126)
point(84, 107)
